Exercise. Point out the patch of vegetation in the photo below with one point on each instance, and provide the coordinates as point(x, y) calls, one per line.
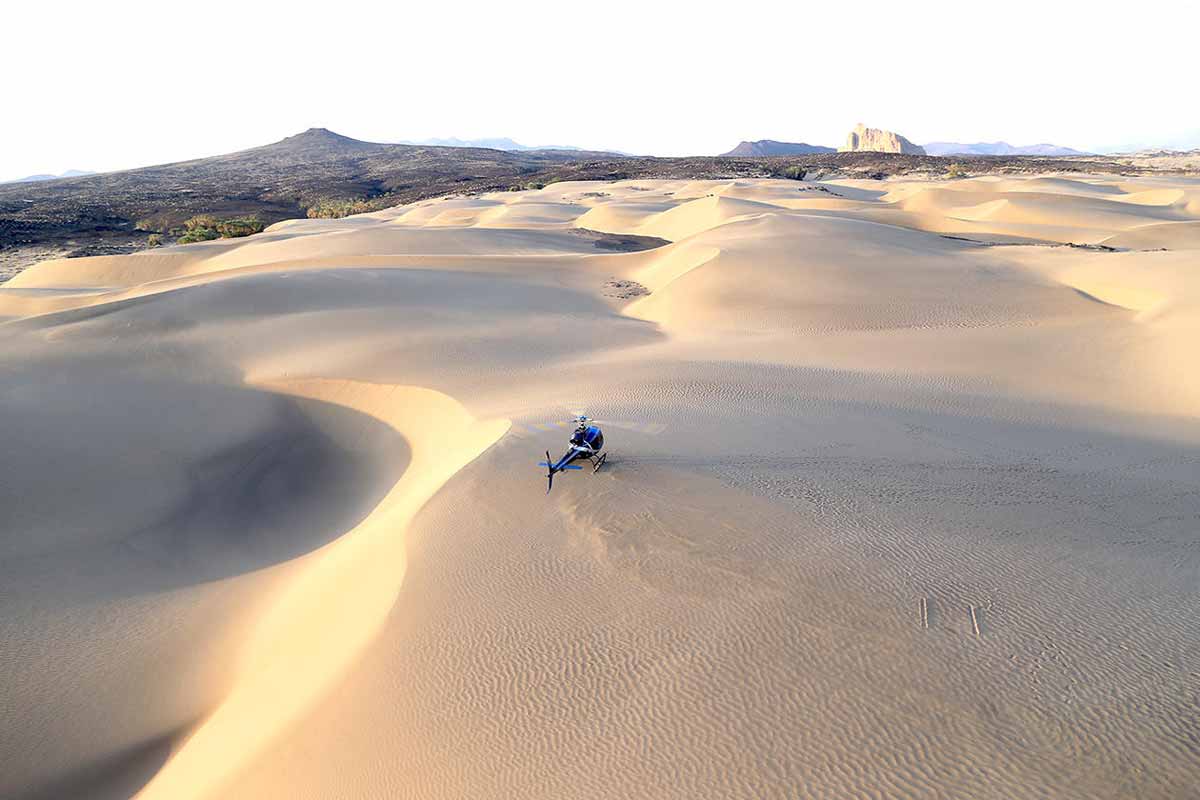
point(154, 240)
point(793, 172)
point(239, 226)
point(204, 227)
point(336, 208)
point(531, 186)
point(956, 171)
point(197, 233)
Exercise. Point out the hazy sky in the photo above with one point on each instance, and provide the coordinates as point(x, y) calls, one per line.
point(110, 85)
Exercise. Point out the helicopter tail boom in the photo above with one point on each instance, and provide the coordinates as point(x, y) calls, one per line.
point(552, 467)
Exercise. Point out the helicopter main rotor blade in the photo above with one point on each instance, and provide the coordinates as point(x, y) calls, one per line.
point(639, 426)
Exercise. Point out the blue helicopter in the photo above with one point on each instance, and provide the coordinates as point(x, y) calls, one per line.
point(586, 442)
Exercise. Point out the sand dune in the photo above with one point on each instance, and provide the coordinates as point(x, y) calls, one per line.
point(1155, 236)
point(901, 501)
point(699, 215)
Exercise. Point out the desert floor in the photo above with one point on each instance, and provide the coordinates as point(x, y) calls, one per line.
point(887, 512)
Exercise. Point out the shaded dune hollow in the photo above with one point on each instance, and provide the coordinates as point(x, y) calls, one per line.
point(901, 499)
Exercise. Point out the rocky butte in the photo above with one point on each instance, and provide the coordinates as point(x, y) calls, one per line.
point(879, 141)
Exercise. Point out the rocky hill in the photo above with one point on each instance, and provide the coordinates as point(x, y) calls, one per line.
point(864, 139)
point(116, 211)
point(770, 147)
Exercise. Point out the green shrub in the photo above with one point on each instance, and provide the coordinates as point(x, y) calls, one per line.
point(198, 235)
point(238, 227)
point(201, 221)
point(205, 227)
point(154, 240)
point(336, 208)
point(955, 171)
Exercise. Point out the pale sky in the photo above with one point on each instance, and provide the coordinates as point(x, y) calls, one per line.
point(113, 85)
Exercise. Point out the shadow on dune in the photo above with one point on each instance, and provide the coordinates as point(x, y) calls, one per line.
point(186, 484)
point(115, 777)
point(289, 490)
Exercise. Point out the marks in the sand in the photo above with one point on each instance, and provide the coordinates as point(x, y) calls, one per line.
point(974, 616)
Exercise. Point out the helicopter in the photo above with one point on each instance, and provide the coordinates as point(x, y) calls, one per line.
point(586, 443)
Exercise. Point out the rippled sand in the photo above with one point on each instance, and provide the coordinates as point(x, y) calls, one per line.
point(902, 499)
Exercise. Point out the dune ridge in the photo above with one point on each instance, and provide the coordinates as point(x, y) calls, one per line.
point(302, 644)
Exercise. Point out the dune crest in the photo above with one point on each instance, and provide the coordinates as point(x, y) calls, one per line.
point(336, 602)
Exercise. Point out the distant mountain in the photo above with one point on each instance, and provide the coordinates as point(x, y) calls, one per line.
point(1160, 152)
point(998, 149)
point(499, 143)
point(770, 147)
point(71, 173)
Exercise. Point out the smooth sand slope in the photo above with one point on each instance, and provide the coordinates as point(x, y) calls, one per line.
point(902, 500)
